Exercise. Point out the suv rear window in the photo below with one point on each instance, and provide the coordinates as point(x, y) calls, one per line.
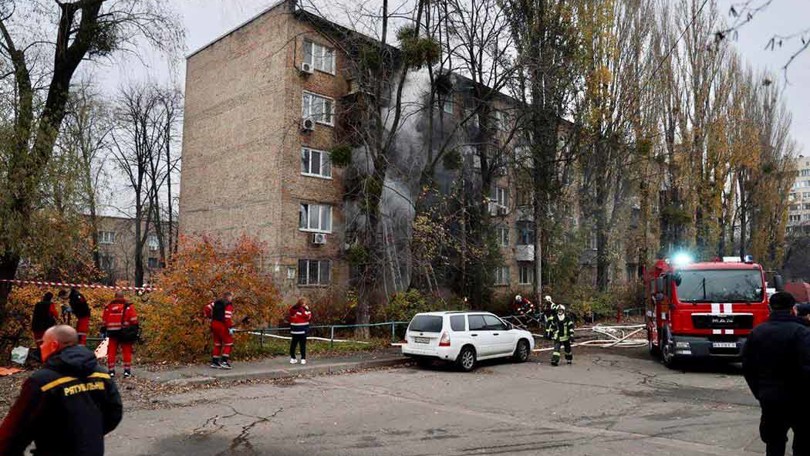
point(457, 323)
point(426, 323)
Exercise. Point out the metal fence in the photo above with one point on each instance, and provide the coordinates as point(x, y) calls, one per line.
point(333, 333)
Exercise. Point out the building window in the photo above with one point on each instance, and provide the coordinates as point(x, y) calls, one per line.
point(315, 217)
point(805, 172)
point(804, 195)
point(152, 263)
point(795, 218)
point(500, 195)
point(502, 275)
point(593, 243)
point(526, 273)
point(806, 206)
point(152, 242)
point(106, 237)
point(313, 272)
point(498, 120)
point(524, 196)
point(320, 109)
point(447, 104)
point(315, 163)
point(503, 235)
point(525, 233)
point(107, 262)
point(321, 58)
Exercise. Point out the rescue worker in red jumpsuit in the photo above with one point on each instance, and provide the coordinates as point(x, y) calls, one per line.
point(79, 307)
point(119, 314)
point(221, 314)
point(45, 316)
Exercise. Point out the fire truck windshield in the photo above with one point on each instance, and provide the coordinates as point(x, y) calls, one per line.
point(720, 286)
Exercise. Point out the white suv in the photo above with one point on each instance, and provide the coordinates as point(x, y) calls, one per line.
point(464, 338)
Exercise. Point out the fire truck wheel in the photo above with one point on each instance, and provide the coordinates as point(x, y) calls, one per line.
point(668, 351)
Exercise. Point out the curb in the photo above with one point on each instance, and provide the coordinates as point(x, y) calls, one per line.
point(276, 374)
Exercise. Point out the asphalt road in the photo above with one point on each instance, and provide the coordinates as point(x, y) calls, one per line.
point(607, 403)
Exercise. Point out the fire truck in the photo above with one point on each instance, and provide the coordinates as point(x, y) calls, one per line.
point(703, 309)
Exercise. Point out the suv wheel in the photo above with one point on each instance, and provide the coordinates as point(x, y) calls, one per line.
point(466, 359)
point(521, 351)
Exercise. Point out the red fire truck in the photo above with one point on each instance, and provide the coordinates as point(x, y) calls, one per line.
point(705, 309)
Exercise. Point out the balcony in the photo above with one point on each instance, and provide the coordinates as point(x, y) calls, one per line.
point(524, 252)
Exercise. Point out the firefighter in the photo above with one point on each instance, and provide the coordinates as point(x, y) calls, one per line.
point(119, 319)
point(562, 335)
point(776, 366)
point(522, 306)
point(221, 314)
point(66, 407)
point(78, 306)
point(299, 316)
point(44, 316)
point(548, 316)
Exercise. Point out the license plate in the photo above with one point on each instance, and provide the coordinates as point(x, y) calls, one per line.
point(421, 340)
point(724, 345)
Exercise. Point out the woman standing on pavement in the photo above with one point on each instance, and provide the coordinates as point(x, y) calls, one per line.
point(299, 317)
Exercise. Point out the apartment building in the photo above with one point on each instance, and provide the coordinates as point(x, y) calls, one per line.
point(260, 118)
point(799, 198)
point(116, 246)
point(265, 105)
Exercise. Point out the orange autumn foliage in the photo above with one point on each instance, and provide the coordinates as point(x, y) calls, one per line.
point(200, 272)
point(171, 319)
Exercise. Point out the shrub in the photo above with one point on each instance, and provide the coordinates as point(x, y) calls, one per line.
point(404, 305)
point(174, 325)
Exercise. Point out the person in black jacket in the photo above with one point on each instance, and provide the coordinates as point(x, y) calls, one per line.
point(80, 308)
point(44, 317)
point(776, 365)
point(66, 407)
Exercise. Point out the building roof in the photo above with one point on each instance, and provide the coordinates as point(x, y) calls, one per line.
point(243, 24)
point(300, 14)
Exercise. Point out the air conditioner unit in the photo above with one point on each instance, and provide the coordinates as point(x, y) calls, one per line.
point(306, 68)
point(319, 239)
point(307, 124)
point(502, 210)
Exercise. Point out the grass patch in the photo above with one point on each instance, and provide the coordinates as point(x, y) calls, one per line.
point(253, 348)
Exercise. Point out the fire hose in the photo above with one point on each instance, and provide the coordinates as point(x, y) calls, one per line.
point(616, 336)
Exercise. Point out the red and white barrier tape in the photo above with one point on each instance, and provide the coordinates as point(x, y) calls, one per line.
point(77, 285)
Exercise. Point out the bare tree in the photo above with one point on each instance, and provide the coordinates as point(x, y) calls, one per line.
point(138, 151)
point(40, 87)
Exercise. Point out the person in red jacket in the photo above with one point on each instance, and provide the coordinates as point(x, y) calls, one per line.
point(221, 314)
point(44, 317)
point(299, 317)
point(79, 307)
point(118, 315)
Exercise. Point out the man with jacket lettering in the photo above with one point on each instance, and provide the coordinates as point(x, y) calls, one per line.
point(119, 314)
point(776, 365)
point(66, 407)
point(220, 312)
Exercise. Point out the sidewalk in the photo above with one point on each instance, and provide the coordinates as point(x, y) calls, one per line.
point(275, 368)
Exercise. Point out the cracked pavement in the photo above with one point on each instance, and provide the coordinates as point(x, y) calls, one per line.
point(617, 401)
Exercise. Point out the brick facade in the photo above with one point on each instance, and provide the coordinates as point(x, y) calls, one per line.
point(242, 142)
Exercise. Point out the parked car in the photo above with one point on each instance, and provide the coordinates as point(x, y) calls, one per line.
point(464, 338)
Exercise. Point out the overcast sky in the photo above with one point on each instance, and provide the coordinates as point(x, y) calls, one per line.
point(205, 20)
